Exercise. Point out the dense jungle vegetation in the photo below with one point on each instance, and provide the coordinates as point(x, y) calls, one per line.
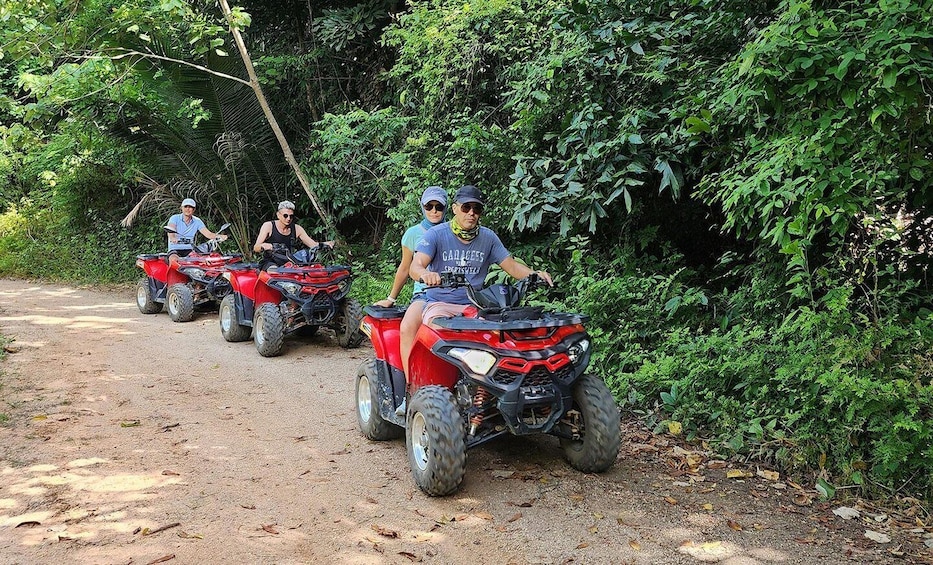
point(737, 192)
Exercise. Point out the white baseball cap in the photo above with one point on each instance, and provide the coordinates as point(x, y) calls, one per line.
point(189, 202)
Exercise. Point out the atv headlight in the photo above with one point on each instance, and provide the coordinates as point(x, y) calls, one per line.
point(194, 272)
point(477, 360)
point(343, 285)
point(290, 287)
point(576, 351)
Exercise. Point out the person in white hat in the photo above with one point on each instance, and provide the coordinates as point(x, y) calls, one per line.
point(186, 226)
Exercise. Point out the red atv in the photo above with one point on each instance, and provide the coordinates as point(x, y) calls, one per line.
point(184, 283)
point(499, 368)
point(299, 297)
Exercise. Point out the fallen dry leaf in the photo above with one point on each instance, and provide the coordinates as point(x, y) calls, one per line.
point(582, 545)
point(185, 535)
point(169, 473)
point(484, 515)
point(737, 474)
point(670, 500)
point(384, 531)
point(371, 500)
point(248, 506)
point(716, 465)
point(877, 537)
point(803, 500)
point(708, 507)
point(734, 525)
point(269, 528)
point(593, 529)
point(162, 559)
point(517, 516)
point(27, 524)
point(131, 424)
point(410, 556)
point(769, 475)
point(634, 545)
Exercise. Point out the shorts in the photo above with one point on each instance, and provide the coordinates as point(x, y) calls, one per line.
point(441, 310)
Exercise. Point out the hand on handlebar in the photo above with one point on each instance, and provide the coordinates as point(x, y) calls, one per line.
point(545, 276)
point(431, 279)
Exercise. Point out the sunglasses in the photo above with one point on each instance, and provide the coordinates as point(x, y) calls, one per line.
point(192, 207)
point(435, 206)
point(474, 207)
point(287, 216)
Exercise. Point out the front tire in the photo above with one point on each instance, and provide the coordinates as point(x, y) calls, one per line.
point(180, 301)
point(435, 438)
point(368, 400)
point(269, 330)
point(347, 328)
point(230, 326)
point(598, 448)
point(144, 300)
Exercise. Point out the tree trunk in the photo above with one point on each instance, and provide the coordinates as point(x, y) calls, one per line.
point(286, 149)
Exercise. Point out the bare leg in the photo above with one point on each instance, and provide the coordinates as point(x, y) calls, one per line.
point(410, 324)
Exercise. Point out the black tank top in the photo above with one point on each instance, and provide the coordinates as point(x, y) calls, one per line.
point(278, 237)
point(268, 259)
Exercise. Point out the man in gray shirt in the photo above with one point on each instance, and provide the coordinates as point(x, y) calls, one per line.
point(461, 246)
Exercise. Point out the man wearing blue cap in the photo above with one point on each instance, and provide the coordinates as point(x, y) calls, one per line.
point(461, 246)
point(433, 204)
point(186, 226)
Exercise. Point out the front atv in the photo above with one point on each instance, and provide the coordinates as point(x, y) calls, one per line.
point(499, 369)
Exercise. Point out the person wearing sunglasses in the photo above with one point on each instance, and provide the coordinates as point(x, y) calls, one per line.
point(433, 205)
point(461, 246)
point(185, 227)
point(282, 230)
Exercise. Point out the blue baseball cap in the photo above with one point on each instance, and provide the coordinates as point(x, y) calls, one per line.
point(434, 193)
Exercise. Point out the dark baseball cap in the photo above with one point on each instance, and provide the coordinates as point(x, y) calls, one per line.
point(469, 193)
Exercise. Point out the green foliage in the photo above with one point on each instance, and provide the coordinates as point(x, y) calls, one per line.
point(36, 242)
point(825, 128)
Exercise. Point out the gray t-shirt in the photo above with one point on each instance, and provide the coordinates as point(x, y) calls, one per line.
point(448, 253)
point(186, 232)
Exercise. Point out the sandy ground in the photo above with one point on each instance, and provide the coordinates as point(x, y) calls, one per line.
point(130, 439)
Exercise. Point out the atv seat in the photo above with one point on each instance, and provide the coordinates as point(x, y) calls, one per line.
point(385, 313)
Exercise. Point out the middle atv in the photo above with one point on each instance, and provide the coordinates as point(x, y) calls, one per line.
point(299, 297)
point(500, 368)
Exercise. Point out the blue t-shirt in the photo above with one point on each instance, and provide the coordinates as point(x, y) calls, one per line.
point(185, 231)
point(448, 253)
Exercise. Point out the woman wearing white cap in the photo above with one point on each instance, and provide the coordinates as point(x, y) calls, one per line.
point(433, 204)
point(186, 225)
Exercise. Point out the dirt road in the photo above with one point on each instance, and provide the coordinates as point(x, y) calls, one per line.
point(130, 439)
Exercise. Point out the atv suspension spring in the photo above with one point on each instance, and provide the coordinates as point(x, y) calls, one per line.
point(479, 400)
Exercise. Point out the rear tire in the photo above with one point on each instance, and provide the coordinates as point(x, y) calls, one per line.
point(435, 438)
point(368, 401)
point(598, 449)
point(144, 300)
point(230, 326)
point(268, 330)
point(347, 327)
point(180, 302)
